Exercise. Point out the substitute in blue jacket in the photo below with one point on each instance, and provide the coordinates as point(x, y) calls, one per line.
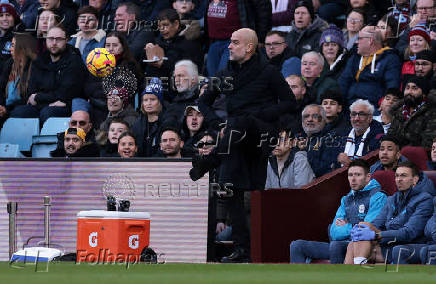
point(401, 221)
point(362, 204)
point(424, 253)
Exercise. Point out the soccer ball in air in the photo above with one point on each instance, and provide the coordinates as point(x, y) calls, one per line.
point(100, 62)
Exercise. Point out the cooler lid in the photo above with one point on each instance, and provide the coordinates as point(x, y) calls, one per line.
point(102, 214)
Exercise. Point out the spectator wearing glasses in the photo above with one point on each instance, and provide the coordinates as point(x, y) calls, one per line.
point(425, 14)
point(321, 155)
point(424, 64)
point(414, 117)
point(370, 72)
point(118, 107)
point(365, 133)
point(280, 55)
point(79, 119)
point(355, 22)
point(57, 77)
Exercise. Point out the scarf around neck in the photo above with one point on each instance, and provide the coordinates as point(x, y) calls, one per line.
point(350, 147)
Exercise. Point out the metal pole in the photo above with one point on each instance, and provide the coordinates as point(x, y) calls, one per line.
point(47, 220)
point(12, 210)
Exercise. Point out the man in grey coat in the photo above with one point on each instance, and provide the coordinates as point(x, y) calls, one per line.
point(288, 167)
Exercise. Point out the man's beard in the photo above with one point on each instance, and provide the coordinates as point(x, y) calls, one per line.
point(412, 101)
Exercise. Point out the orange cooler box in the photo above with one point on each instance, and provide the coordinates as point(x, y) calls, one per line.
point(111, 236)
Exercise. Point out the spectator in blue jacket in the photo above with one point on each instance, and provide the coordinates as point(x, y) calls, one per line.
point(401, 221)
point(28, 11)
point(363, 203)
point(370, 72)
point(89, 37)
point(416, 253)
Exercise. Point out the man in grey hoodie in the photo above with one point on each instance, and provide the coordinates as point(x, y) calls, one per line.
point(288, 166)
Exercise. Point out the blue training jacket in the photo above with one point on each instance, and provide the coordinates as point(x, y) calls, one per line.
point(404, 217)
point(358, 206)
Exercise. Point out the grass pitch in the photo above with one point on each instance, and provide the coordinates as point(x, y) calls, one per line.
point(214, 273)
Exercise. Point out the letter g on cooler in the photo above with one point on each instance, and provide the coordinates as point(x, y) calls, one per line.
point(134, 241)
point(93, 239)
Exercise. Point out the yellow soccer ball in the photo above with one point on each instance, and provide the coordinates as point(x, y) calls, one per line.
point(100, 62)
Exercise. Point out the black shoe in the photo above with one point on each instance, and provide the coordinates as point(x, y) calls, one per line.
point(237, 256)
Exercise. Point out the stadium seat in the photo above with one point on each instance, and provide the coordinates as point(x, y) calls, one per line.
point(416, 155)
point(47, 140)
point(20, 131)
point(54, 125)
point(42, 150)
point(10, 151)
point(387, 181)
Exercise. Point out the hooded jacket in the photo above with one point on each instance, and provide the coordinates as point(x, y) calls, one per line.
point(174, 113)
point(358, 206)
point(57, 81)
point(302, 41)
point(430, 227)
point(372, 82)
point(420, 128)
point(404, 217)
point(295, 174)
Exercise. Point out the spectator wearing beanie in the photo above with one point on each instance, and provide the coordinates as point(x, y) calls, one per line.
point(419, 40)
point(414, 117)
point(119, 108)
point(332, 48)
point(424, 64)
point(333, 104)
point(149, 123)
point(9, 21)
point(306, 29)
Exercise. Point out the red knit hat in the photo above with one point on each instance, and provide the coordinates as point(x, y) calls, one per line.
point(421, 30)
point(6, 7)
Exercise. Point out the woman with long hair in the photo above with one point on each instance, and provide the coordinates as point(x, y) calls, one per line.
point(116, 44)
point(16, 74)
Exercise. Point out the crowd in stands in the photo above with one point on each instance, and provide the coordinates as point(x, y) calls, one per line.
point(360, 77)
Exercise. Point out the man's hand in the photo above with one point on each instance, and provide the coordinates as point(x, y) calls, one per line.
point(362, 232)
point(344, 160)
point(154, 51)
point(58, 104)
point(31, 100)
point(414, 21)
point(340, 222)
point(220, 227)
point(3, 111)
